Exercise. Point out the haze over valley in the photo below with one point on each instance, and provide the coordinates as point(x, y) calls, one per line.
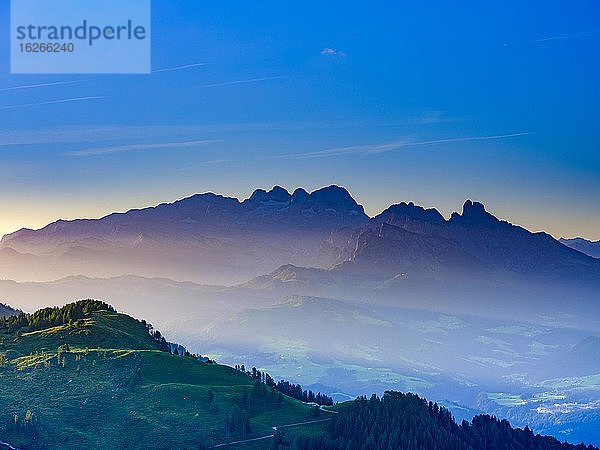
point(300, 225)
point(472, 311)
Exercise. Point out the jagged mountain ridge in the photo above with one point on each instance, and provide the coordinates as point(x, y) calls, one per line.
point(406, 239)
point(205, 237)
point(211, 238)
point(475, 240)
point(214, 215)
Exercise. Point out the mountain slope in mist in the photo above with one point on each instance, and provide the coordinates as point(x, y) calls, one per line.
point(214, 239)
point(205, 237)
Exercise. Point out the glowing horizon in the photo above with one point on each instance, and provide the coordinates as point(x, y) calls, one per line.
point(372, 208)
point(396, 103)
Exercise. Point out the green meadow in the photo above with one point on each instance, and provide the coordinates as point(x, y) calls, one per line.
point(103, 383)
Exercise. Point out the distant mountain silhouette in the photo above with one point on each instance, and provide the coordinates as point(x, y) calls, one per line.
point(407, 239)
point(216, 239)
point(590, 248)
point(205, 237)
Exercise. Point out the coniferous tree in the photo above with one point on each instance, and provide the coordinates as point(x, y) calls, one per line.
point(406, 421)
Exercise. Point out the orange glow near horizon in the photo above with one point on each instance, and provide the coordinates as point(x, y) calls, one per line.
point(37, 213)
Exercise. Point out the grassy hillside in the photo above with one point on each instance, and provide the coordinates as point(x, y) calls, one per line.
point(86, 377)
point(102, 329)
point(101, 382)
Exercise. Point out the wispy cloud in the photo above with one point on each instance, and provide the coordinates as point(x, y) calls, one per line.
point(52, 102)
point(473, 138)
point(367, 149)
point(135, 147)
point(125, 134)
point(33, 86)
point(333, 52)
point(339, 151)
point(230, 83)
point(371, 149)
point(184, 67)
point(561, 37)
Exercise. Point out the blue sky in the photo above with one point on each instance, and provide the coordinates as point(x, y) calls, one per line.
point(398, 101)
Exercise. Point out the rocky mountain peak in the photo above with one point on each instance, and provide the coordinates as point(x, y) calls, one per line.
point(277, 194)
point(335, 198)
point(474, 213)
point(473, 208)
point(403, 212)
point(328, 199)
point(301, 199)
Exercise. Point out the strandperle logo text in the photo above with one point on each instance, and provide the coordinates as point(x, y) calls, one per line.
point(84, 32)
point(80, 36)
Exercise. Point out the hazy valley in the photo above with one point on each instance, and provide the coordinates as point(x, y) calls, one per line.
point(471, 311)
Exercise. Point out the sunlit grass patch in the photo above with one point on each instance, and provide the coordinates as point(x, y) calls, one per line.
point(504, 399)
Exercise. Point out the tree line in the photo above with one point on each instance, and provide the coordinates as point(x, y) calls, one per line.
point(287, 388)
point(54, 316)
point(74, 314)
point(407, 422)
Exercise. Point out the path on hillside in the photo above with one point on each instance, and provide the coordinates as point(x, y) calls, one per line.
point(244, 441)
point(291, 425)
point(7, 445)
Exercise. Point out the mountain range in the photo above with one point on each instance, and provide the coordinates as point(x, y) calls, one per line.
point(470, 306)
point(205, 237)
point(590, 248)
point(213, 239)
